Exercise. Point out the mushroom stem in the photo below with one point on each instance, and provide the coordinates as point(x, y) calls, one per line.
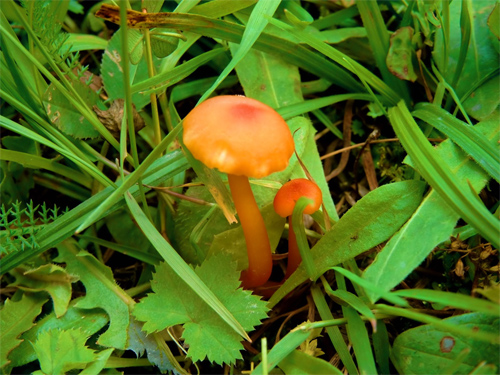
point(294, 257)
point(260, 262)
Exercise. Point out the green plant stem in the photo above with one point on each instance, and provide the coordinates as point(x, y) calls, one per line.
point(128, 104)
point(300, 235)
point(151, 73)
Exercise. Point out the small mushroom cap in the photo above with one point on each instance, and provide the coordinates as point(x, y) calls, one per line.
point(289, 194)
point(238, 135)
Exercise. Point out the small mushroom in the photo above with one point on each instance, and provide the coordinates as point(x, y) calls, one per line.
point(244, 138)
point(284, 203)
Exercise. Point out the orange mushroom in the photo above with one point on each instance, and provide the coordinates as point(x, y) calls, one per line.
point(284, 203)
point(243, 138)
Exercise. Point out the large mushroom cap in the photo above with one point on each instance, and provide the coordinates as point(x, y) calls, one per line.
point(290, 193)
point(239, 136)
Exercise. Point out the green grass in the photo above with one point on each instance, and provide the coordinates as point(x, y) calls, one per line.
point(141, 253)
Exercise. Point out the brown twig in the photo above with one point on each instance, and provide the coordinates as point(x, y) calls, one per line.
point(329, 155)
point(347, 141)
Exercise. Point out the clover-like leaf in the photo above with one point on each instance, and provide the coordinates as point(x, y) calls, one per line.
point(208, 336)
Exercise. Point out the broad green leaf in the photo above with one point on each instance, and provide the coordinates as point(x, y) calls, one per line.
point(372, 220)
point(101, 292)
point(112, 74)
point(434, 170)
point(182, 269)
point(59, 351)
point(432, 222)
point(163, 45)
point(206, 333)
point(89, 321)
point(300, 363)
point(50, 278)
point(469, 138)
point(428, 350)
point(268, 78)
point(401, 54)
point(475, 333)
point(65, 116)
point(481, 59)
point(135, 46)
point(282, 349)
point(494, 21)
point(256, 24)
point(16, 318)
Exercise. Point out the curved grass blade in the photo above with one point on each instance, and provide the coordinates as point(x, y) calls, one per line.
point(343, 60)
point(464, 135)
point(64, 226)
point(435, 172)
point(457, 300)
point(293, 110)
point(231, 32)
point(174, 260)
point(38, 162)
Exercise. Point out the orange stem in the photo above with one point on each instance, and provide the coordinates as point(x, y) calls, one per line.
point(260, 262)
point(294, 257)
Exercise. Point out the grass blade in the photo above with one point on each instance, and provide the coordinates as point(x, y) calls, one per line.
point(231, 32)
point(435, 172)
point(464, 135)
point(333, 331)
point(456, 300)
